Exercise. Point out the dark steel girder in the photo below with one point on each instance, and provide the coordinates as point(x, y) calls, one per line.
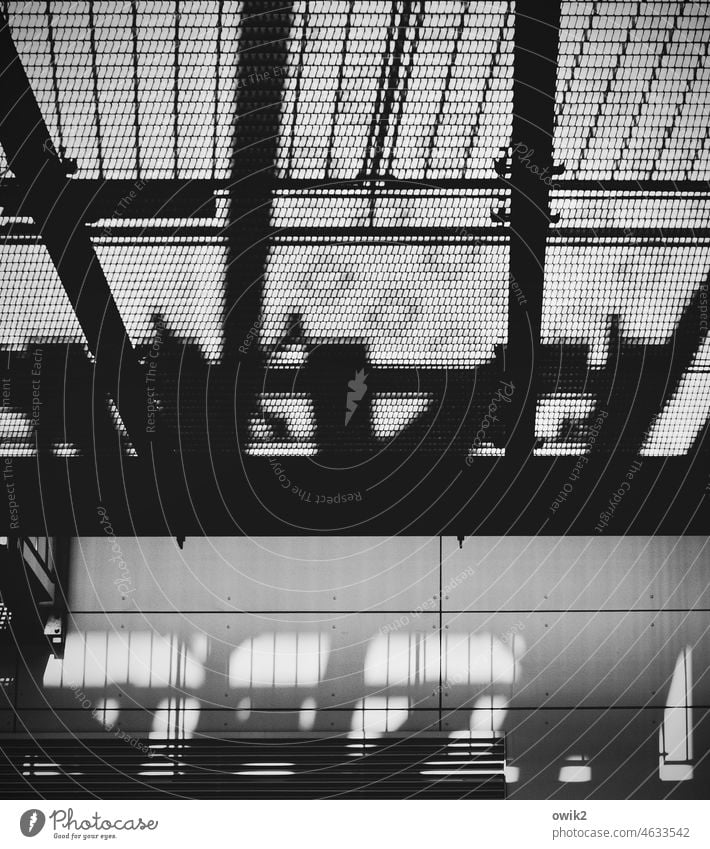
point(48, 196)
point(534, 76)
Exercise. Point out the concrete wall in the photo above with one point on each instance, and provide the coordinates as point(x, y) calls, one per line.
point(567, 645)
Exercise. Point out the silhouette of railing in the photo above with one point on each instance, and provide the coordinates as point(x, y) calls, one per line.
point(387, 767)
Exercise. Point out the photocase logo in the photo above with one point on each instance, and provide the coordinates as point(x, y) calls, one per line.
point(356, 390)
point(32, 822)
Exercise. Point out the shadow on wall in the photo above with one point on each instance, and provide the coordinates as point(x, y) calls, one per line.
point(380, 681)
point(380, 684)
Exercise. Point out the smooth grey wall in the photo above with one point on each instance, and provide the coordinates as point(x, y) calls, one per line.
point(568, 645)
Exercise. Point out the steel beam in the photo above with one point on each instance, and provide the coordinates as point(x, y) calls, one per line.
point(49, 198)
point(185, 198)
point(534, 76)
point(263, 57)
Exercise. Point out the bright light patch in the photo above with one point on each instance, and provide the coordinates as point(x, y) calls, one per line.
point(244, 709)
point(139, 658)
point(286, 659)
point(176, 718)
point(477, 659)
point(402, 659)
point(575, 770)
point(307, 714)
point(488, 715)
point(675, 736)
point(377, 715)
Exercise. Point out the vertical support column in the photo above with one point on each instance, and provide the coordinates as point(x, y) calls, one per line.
point(263, 63)
point(534, 76)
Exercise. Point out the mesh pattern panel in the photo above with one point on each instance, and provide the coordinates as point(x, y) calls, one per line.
point(627, 319)
point(33, 304)
point(372, 91)
point(286, 425)
point(646, 286)
point(180, 280)
point(675, 429)
point(458, 210)
point(16, 432)
point(631, 210)
point(392, 412)
point(431, 305)
point(631, 100)
point(134, 89)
